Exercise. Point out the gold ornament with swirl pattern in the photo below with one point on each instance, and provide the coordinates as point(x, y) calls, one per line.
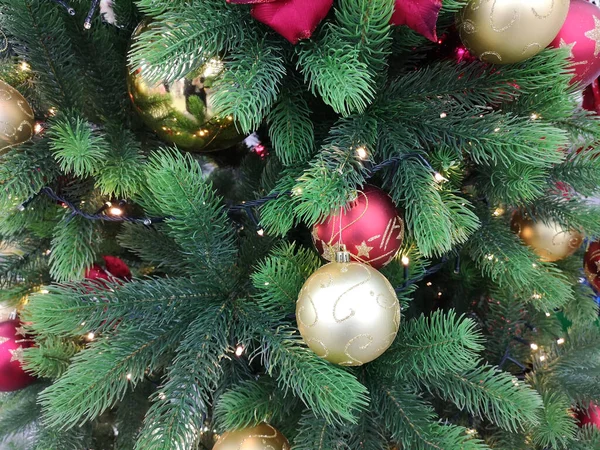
point(16, 118)
point(547, 239)
point(260, 437)
point(510, 31)
point(348, 312)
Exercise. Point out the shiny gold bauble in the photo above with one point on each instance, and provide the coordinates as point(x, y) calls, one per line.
point(348, 312)
point(261, 437)
point(510, 31)
point(550, 241)
point(16, 118)
point(181, 112)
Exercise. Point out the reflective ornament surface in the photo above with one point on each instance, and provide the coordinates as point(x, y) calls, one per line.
point(260, 437)
point(348, 313)
point(181, 112)
point(16, 118)
point(591, 265)
point(510, 31)
point(580, 34)
point(548, 240)
point(12, 344)
point(369, 227)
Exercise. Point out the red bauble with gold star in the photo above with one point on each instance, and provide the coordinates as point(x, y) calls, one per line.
point(591, 265)
point(369, 227)
point(591, 416)
point(12, 343)
point(581, 35)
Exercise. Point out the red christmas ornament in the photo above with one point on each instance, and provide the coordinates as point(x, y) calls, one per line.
point(370, 228)
point(591, 265)
point(591, 97)
point(12, 344)
point(581, 35)
point(419, 15)
point(293, 19)
point(591, 416)
point(113, 268)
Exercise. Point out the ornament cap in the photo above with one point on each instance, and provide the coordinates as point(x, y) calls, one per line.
point(342, 257)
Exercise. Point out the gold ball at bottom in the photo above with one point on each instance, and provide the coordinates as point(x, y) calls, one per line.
point(510, 31)
point(16, 118)
point(260, 437)
point(348, 313)
point(550, 241)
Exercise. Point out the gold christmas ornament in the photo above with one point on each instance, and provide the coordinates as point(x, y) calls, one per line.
point(348, 312)
point(260, 437)
point(16, 118)
point(510, 31)
point(548, 240)
point(181, 112)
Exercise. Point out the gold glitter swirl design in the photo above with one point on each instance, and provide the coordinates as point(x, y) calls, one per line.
point(5, 95)
point(352, 360)
point(24, 107)
point(336, 305)
point(543, 16)
point(484, 55)
point(515, 17)
point(468, 26)
point(322, 354)
point(530, 46)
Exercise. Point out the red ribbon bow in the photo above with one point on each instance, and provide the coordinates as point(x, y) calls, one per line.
point(298, 19)
point(293, 19)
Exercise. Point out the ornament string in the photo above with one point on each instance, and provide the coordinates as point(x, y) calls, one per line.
point(247, 206)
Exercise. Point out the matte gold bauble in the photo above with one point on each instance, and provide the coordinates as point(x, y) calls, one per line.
point(181, 112)
point(16, 118)
point(548, 239)
point(348, 312)
point(510, 31)
point(261, 437)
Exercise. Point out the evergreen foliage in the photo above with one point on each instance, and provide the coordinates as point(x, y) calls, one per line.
point(203, 339)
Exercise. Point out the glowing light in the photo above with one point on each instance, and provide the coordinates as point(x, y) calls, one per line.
point(405, 260)
point(543, 358)
point(261, 232)
point(560, 341)
point(52, 111)
point(44, 291)
point(90, 336)
point(471, 431)
point(267, 283)
point(547, 314)
point(38, 128)
point(129, 376)
point(24, 66)
point(362, 153)
point(443, 115)
point(439, 177)
point(115, 211)
point(429, 283)
point(535, 116)
point(496, 129)
point(498, 212)
point(239, 351)
point(534, 346)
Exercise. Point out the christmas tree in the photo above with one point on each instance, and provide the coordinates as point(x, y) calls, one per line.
point(324, 224)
